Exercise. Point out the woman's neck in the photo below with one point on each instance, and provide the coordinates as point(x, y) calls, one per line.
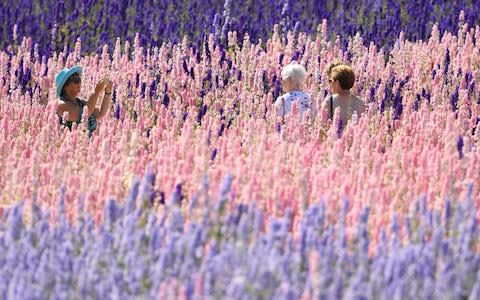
point(293, 89)
point(70, 99)
point(344, 97)
point(343, 92)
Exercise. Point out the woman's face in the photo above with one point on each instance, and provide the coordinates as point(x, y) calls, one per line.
point(287, 84)
point(334, 85)
point(72, 86)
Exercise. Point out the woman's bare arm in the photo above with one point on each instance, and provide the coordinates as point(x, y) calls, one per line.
point(92, 100)
point(107, 100)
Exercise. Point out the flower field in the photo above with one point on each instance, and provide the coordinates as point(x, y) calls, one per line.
point(193, 188)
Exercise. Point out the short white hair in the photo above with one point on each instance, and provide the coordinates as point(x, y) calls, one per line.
point(294, 71)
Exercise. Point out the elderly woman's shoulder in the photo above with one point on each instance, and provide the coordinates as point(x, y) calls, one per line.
point(305, 94)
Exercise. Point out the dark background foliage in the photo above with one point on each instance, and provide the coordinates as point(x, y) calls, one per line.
point(57, 24)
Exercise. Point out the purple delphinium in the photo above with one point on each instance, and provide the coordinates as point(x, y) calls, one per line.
point(240, 252)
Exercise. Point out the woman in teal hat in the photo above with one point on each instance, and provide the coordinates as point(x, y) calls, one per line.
point(68, 88)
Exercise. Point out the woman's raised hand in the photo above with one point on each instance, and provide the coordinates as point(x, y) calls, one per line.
point(108, 85)
point(101, 84)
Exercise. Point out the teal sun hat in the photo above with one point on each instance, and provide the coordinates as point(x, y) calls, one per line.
point(63, 76)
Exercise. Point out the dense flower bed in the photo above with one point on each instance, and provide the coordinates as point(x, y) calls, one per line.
point(188, 114)
point(215, 248)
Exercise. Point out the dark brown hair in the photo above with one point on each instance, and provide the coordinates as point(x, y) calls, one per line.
point(332, 65)
point(345, 76)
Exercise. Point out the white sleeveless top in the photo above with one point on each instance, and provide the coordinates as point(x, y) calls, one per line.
point(284, 102)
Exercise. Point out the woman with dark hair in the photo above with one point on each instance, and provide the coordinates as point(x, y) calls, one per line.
point(68, 88)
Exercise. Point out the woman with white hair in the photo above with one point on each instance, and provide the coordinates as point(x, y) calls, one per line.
point(293, 76)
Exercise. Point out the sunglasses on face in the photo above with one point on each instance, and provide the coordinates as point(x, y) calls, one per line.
point(75, 78)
